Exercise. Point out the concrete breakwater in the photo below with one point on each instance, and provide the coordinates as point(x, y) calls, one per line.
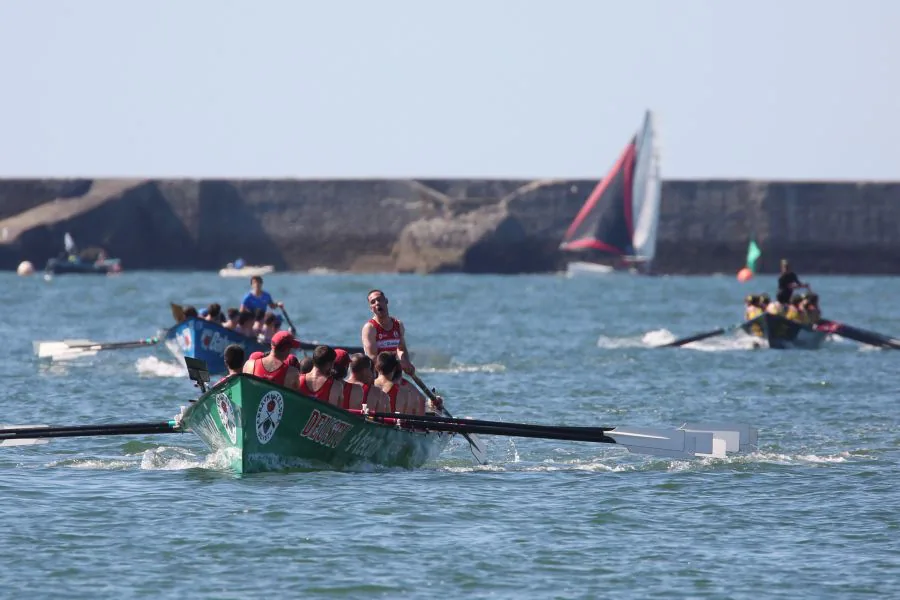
point(431, 225)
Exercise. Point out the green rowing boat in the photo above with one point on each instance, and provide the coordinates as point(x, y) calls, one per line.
point(260, 426)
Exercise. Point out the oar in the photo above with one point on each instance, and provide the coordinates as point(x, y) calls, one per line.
point(288, 319)
point(855, 333)
point(76, 347)
point(685, 442)
point(24, 435)
point(348, 349)
point(707, 334)
point(478, 448)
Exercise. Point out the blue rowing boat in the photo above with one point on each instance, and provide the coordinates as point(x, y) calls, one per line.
point(206, 340)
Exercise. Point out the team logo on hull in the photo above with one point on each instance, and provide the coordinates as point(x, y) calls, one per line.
point(268, 416)
point(226, 416)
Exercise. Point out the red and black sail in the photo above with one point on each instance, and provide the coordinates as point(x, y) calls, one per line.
point(605, 222)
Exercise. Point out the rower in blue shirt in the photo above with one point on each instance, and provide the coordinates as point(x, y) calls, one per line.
point(256, 298)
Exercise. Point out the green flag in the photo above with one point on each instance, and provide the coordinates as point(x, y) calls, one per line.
point(753, 254)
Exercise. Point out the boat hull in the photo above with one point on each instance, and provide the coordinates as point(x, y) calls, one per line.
point(587, 269)
point(783, 334)
point(205, 340)
point(248, 271)
point(56, 266)
point(260, 426)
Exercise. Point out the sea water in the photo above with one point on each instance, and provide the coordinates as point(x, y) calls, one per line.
point(813, 512)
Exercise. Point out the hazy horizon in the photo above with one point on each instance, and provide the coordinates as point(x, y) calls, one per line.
point(799, 91)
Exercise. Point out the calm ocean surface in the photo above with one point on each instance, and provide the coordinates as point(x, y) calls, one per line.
point(815, 513)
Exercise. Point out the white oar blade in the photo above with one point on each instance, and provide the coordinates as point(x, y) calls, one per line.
point(23, 442)
point(738, 437)
point(54, 349)
point(675, 443)
point(72, 354)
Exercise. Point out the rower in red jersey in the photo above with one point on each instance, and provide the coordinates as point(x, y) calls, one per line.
point(275, 366)
point(319, 383)
point(403, 398)
point(383, 333)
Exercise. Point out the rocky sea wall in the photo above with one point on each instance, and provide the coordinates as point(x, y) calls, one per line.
point(435, 226)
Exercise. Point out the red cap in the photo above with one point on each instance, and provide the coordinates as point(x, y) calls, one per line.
point(283, 338)
point(256, 355)
point(341, 357)
point(292, 361)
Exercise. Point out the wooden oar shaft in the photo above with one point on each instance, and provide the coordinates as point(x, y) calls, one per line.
point(117, 345)
point(288, 319)
point(862, 336)
point(348, 349)
point(482, 423)
point(534, 431)
point(706, 334)
point(478, 449)
point(89, 430)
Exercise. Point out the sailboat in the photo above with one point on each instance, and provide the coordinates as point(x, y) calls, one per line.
point(616, 227)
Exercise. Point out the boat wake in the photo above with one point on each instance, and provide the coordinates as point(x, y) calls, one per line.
point(615, 462)
point(151, 366)
point(659, 337)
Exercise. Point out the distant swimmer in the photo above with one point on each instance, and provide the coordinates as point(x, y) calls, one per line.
point(257, 298)
point(383, 333)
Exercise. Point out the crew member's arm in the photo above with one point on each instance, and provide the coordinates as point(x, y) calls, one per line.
point(403, 352)
point(248, 366)
point(370, 341)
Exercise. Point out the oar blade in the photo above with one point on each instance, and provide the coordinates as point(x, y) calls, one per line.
point(674, 443)
point(856, 334)
point(478, 447)
point(22, 442)
point(738, 437)
point(694, 338)
point(52, 349)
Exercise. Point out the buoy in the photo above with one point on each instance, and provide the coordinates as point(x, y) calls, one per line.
point(744, 274)
point(25, 269)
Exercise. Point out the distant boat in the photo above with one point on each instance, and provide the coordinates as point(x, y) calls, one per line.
point(616, 227)
point(91, 261)
point(239, 269)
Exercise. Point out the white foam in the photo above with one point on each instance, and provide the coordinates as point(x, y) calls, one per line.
point(463, 368)
point(153, 367)
point(169, 458)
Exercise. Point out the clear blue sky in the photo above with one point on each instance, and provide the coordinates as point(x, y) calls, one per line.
point(791, 89)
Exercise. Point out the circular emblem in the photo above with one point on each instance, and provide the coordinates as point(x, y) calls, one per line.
point(226, 415)
point(396, 334)
point(268, 416)
point(185, 339)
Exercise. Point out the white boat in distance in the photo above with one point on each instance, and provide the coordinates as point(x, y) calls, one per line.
point(239, 269)
point(616, 227)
